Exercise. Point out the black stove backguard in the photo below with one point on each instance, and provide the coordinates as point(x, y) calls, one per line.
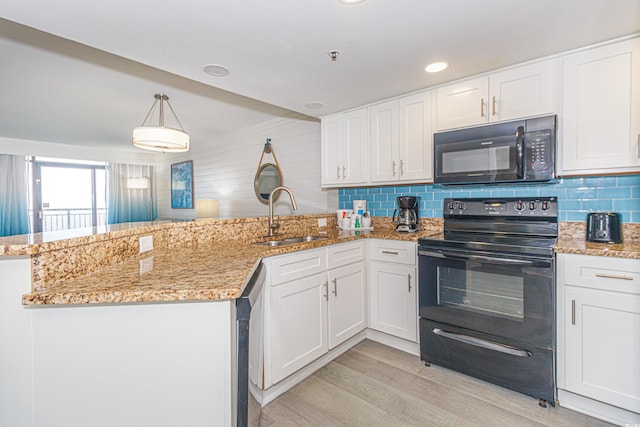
point(486, 293)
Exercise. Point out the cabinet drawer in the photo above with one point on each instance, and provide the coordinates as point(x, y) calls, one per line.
point(345, 253)
point(607, 273)
point(393, 251)
point(285, 268)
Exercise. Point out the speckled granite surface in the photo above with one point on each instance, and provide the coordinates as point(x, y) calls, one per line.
point(572, 240)
point(203, 260)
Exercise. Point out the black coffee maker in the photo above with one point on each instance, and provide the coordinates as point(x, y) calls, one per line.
point(407, 214)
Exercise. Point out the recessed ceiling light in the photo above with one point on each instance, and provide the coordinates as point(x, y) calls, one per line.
point(313, 105)
point(350, 1)
point(216, 70)
point(436, 67)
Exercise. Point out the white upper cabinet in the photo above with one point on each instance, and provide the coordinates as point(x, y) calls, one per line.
point(402, 139)
point(463, 104)
point(601, 114)
point(522, 92)
point(344, 152)
point(515, 93)
point(384, 141)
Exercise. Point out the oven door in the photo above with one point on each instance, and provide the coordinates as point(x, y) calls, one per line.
point(508, 296)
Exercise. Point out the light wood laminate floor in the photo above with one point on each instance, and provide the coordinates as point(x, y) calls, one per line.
point(375, 385)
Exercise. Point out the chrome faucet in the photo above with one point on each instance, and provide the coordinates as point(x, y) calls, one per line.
point(272, 224)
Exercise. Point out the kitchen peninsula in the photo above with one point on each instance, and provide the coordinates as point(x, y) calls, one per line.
point(92, 321)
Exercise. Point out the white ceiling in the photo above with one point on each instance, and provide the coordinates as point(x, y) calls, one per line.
point(95, 81)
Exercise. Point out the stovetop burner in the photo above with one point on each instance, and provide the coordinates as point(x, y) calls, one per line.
point(508, 225)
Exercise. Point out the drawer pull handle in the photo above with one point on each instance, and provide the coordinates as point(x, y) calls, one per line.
point(573, 312)
point(613, 276)
point(390, 252)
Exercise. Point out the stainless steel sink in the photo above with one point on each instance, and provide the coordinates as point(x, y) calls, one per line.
point(291, 240)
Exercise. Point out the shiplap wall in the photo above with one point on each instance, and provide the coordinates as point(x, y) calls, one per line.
point(224, 169)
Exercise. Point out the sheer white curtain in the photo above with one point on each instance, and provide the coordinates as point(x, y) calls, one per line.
point(14, 213)
point(126, 204)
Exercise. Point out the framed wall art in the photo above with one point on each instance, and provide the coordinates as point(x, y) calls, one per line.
point(182, 185)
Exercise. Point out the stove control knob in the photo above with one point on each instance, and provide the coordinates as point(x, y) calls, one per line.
point(450, 205)
point(532, 206)
point(463, 206)
point(519, 205)
point(545, 205)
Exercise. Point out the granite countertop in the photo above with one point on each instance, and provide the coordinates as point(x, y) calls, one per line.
point(211, 271)
point(568, 245)
point(207, 270)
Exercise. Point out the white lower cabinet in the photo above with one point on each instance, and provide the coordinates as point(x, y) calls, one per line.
point(392, 288)
point(312, 312)
point(599, 331)
point(299, 324)
point(347, 302)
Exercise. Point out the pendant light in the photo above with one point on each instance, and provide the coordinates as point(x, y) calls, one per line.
point(154, 136)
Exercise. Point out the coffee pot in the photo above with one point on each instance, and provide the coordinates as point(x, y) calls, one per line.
point(407, 214)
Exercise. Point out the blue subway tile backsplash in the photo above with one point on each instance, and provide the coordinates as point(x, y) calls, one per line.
point(576, 196)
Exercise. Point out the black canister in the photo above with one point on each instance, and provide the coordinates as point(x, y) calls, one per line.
point(604, 227)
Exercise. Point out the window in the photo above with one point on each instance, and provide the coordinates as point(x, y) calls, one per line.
point(66, 194)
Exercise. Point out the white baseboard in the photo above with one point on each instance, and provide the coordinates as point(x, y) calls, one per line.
point(395, 342)
point(596, 409)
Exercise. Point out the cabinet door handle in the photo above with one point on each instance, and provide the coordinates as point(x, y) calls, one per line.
point(481, 107)
point(335, 287)
point(326, 288)
point(401, 167)
point(344, 173)
point(393, 167)
point(390, 252)
point(573, 312)
point(613, 276)
point(409, 282)
point(493, 106)
point(338, 175)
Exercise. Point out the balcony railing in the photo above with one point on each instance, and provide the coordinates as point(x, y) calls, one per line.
point(67, 218)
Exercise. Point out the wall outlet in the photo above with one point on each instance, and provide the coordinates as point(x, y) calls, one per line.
point(322, 222)
point(146, 244)
point(146, 265)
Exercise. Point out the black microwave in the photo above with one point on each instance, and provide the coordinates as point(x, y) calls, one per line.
point(518, 151)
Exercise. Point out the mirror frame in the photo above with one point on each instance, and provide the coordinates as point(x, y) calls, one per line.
point(257, 177)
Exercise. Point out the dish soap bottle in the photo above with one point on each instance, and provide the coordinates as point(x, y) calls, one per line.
point(357, 224)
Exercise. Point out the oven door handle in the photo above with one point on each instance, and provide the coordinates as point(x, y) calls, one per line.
point(479, 342)
point(483, 258)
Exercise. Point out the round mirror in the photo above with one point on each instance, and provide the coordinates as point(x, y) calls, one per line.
point(267, 178)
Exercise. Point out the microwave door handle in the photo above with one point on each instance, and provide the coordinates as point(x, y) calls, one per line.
point(520, 152)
